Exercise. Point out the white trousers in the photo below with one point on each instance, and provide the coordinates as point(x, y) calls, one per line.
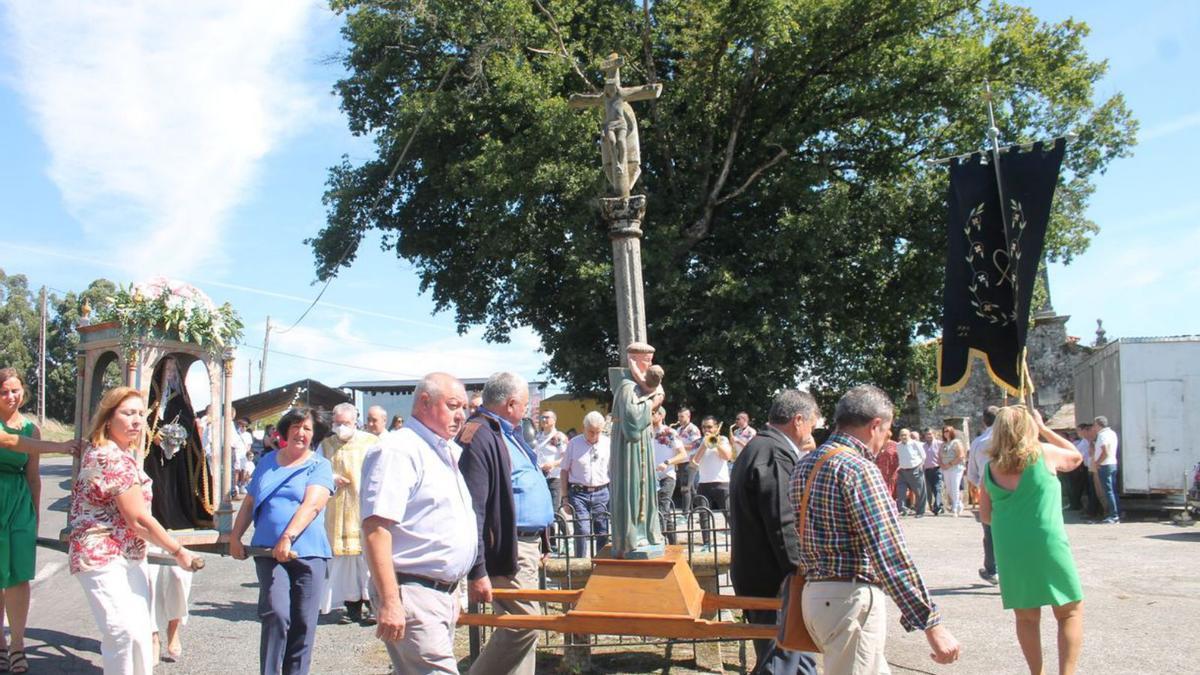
point(119, 595)
point(952, 482)
point(349, 581)
point(848, 621)
point(170, 587)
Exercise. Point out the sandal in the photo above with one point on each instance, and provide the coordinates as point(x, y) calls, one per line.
point(17, 663)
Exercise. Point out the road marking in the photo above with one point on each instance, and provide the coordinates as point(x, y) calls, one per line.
point(47, 572)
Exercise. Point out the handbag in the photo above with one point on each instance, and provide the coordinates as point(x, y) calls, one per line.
point(793, 632)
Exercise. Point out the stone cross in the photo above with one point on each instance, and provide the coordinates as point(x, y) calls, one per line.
point(620, 152)
point(620, 156)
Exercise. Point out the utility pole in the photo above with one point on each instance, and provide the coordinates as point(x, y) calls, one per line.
point(41, 402)
point(249, 376)
point(262, 365)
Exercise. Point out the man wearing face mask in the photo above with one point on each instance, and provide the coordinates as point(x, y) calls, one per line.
point(349, 581)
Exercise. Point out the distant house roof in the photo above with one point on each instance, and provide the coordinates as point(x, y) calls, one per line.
point(1063, 419)
point(309, 393)
point(408, 386)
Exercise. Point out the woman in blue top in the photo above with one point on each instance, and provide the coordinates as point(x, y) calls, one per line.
point(286, 500)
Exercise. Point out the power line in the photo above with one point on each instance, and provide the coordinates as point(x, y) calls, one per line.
point(378, 198)
point(328, 362)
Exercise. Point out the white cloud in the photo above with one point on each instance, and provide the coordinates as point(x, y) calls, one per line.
point(1170, 127)
point(156, 114)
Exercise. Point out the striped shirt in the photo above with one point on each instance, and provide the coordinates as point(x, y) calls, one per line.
point(853, 531)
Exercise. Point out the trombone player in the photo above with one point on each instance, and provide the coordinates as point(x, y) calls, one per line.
point(713, 459)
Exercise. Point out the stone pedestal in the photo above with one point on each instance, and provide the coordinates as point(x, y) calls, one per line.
point(623, 216)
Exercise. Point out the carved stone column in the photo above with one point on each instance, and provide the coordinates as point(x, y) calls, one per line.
point(624, 219)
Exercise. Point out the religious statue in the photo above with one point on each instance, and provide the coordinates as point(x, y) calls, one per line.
point(637, 391)
point(620, 152)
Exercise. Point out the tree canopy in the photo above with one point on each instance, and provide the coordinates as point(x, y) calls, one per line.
point(20, 323)
point(793, 233)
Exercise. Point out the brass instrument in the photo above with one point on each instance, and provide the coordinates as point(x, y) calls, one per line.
point(711, 440)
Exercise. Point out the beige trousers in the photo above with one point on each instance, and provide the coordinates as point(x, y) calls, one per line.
point(428, 642)
point(848, 621)
point(119, 595)
point(513, 652)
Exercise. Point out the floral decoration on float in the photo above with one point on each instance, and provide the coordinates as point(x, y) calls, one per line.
point(171, 308)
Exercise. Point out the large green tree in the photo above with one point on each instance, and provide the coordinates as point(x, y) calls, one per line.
point(793, 233)
point(20, 323)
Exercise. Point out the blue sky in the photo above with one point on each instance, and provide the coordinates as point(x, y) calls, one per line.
point(193, 140)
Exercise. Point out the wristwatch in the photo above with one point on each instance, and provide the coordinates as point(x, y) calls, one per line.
point(292, 538)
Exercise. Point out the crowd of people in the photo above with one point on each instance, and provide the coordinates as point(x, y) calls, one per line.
point(387, 518)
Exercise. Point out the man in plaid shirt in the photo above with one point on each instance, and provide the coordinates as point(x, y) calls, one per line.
point(853, 550)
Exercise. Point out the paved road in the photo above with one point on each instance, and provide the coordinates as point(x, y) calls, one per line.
point(1141, 581)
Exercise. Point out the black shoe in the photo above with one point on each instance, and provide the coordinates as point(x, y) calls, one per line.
point(988, 577)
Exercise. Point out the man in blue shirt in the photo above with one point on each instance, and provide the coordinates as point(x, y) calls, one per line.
point(513, 510)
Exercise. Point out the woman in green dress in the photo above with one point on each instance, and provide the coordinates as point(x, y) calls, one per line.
point(1023, 505)
point(20, 489)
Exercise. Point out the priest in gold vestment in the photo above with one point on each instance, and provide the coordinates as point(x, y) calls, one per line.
point(348, 581)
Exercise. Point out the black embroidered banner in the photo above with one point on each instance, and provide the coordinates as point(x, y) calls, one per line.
point(990, 271)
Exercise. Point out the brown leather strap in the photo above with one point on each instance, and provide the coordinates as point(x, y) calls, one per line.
point(802, 516)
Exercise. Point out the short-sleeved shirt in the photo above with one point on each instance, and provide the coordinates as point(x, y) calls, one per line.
point(948, 451)
point(587, 463)
point(278, 492)
point(933, 451)
point(911, 453)
point(713, 467)
point(99, 533)
point(743, 436)
point(977, 456)
point(666, 441)
point(411, 479)
point(550, 448)
point(1106, 438)
point(691, 437)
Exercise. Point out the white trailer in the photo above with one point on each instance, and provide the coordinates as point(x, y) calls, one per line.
point(1149, 389)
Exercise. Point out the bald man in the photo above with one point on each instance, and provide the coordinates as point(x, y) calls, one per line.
point(419, 529)
point(377, 419)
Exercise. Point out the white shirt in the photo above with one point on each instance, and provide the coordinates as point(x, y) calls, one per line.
point(666, 441)
point(743, 436)
point(1085, 448)
point(550, 447)
point(1107, 438)
point(912, 454)
point(977, 457)
point(412, 480)
point(587, 463)
point(713, 467)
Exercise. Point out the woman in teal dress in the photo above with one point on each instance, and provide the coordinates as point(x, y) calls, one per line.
point(1023, 504)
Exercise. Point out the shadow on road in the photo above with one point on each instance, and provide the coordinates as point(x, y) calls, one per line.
point(973, 589)
point(1193, 536)
point(50, 651)
point(229, 611)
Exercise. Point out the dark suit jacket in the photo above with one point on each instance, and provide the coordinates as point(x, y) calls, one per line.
point(487, 471)
point(762, 521)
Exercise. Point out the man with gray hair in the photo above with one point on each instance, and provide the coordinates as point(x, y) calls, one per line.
point(852, 550)
point(764, 546)
point(419, 529)
point(497, 463)
point(1104, 460)
point(585, 473)
point(348, 582)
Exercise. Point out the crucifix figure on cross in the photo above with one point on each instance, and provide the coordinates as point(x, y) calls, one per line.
point(620, 153)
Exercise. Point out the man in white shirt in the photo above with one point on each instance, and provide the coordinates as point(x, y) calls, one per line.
point(550, 444)
point(912, 473)
point(585, 475)
point(419, 529)
point(1104, 460)
point(977, 459)
point(742, 432)
point(376, 421)
point(712, 460)
point(685, 474)
point(668, 454)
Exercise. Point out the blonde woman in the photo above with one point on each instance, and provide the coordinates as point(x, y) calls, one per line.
point(952, 461)
point(110, 524)
point(1022, 501)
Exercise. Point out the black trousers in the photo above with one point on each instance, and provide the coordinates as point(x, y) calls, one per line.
point(683, 486)
point(770, 659)
point(717, 495)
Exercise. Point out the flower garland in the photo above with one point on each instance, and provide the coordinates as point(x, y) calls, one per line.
point(169, 307)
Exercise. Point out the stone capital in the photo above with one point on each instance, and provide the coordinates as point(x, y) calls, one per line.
point(623, 215)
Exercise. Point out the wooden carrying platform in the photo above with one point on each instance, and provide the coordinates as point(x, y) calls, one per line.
point(652, 598)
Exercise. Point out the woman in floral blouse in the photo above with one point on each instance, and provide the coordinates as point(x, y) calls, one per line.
point(110, 523)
